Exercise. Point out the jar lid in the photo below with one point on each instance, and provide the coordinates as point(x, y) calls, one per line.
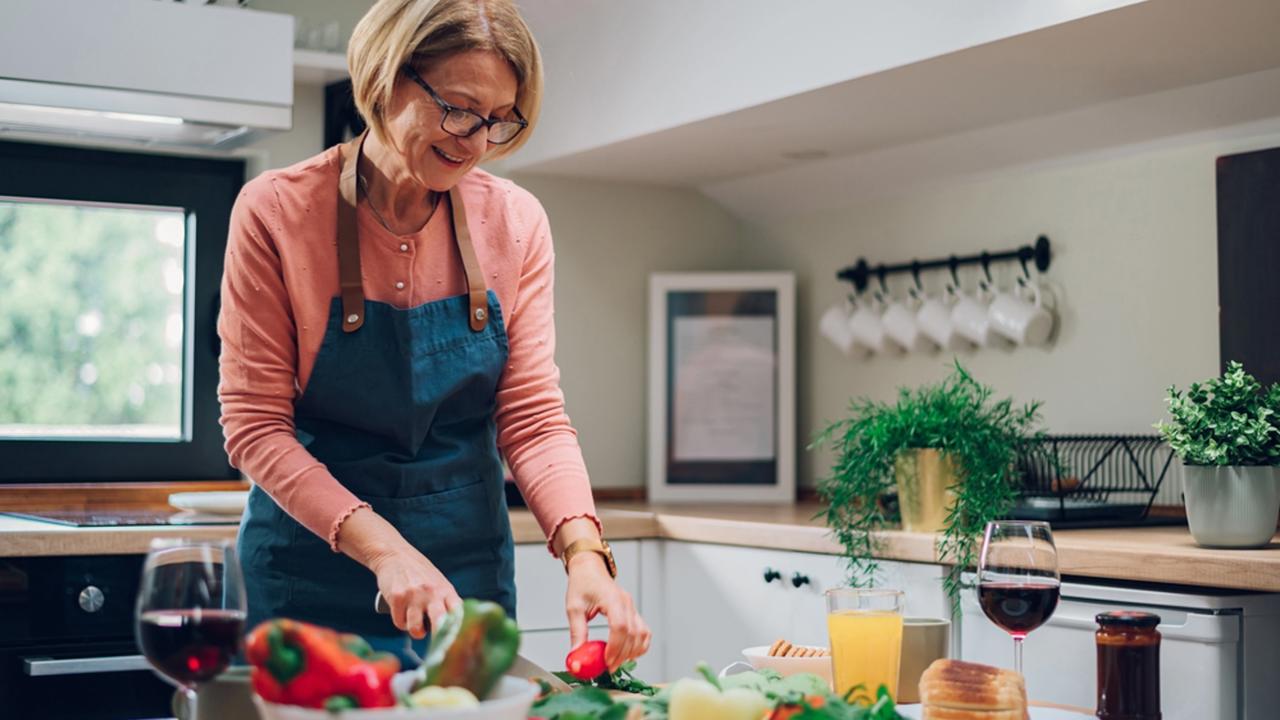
point(1128, 618)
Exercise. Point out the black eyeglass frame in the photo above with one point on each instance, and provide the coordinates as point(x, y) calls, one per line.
point(481, 121)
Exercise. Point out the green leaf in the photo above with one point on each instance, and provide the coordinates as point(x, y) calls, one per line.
point(958, 416)
point(586, 702)
point(1228, 420)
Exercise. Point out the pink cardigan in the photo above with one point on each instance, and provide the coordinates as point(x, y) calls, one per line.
point(281, 273)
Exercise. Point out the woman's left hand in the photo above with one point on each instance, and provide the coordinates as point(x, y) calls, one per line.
point(592, 592)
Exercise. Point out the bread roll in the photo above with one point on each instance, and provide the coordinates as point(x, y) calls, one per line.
point(957, 690)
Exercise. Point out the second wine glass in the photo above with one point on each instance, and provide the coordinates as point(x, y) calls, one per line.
point(1018, 581)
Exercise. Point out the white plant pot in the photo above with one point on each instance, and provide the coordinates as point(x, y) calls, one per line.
point(1232, 506)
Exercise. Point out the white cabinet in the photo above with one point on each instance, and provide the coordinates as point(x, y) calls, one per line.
point(540, 590)
point(715, 600)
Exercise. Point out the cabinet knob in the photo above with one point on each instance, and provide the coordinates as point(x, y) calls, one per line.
point(797, 580)
point(770, 575)
point(91, 599)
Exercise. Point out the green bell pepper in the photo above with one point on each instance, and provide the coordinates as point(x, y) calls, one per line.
point(475, 644)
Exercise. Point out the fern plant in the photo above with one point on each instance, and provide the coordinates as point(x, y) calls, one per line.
point(958, 416)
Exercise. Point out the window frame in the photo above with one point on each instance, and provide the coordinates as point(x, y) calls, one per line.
point(206, 188)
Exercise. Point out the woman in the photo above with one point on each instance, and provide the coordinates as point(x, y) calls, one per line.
point(387, 328)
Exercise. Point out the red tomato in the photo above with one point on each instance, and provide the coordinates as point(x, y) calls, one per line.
point(586, 662)
point(787, 711)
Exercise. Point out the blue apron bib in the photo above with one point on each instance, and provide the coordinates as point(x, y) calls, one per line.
point(400, 409)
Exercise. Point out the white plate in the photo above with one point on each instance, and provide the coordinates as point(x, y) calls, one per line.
point(222, 503)
point(760, 658)
point(1037, 713)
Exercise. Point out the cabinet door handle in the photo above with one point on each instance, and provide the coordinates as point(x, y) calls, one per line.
point(797, 580)
point(770, 575)
point(43, 666)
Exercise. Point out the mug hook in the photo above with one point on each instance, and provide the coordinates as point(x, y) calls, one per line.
point(986, 265)
point(880, 275)
point(1023, 256)
point(953, 263)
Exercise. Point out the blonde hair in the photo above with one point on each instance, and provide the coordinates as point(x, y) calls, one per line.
point(395, 32)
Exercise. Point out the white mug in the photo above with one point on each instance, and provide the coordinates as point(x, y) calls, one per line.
point(867, 326)
point(1024, 320)
point(834, 326)
point(934, 320)
point(901, 326)
point(969, 316)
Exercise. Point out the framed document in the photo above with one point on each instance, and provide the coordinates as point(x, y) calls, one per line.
point(722, 387)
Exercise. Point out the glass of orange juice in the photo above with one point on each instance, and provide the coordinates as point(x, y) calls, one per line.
point(865, 625)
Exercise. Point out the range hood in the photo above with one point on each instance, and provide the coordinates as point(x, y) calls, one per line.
point(149, 72)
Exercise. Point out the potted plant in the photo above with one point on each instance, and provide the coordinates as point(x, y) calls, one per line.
point(1227, 433)
point(963, 440)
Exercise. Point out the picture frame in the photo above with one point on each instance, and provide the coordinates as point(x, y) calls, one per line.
point(722, 387)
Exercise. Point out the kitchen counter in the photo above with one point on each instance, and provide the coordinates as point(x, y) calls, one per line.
point(1153, 554)
point(21, 537)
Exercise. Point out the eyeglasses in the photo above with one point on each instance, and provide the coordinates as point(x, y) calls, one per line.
point(461, 122)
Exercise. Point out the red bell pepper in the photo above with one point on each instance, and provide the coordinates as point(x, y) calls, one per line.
point(296, 663)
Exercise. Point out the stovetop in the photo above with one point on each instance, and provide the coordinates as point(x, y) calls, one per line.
point(117, 518)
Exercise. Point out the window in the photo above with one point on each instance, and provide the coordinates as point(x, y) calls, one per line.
point(110, 264)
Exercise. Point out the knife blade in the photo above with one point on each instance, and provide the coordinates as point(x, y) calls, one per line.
point(527, 669)
point(523, 667)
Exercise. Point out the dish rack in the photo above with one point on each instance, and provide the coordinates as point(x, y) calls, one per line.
point(1093, 480)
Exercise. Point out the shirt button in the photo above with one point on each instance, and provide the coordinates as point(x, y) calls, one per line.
point(399, 285)
point(404, 247)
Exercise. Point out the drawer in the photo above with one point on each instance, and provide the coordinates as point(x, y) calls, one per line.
point(541, 585)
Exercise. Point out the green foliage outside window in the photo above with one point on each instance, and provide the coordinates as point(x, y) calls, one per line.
point(91, 320)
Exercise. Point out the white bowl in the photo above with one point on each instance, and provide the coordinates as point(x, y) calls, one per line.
point(510, 700)
point(760, 658)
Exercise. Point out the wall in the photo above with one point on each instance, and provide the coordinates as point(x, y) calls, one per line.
point(609, 237)
point(1134, 270)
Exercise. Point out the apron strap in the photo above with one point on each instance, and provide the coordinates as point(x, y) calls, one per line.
point(349, 240)
point(478, 314)
point(349, 249)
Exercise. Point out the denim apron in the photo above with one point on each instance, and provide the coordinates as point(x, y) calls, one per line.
point(400, 409)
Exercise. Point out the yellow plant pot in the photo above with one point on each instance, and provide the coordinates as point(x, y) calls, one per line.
point(925, 477)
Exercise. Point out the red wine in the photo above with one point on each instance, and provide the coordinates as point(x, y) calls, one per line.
point(190, 646)
point(1018, 609)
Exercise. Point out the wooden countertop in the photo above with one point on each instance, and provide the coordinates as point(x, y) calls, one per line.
point(1154, 554)
point(1160, 554)
point(21, 537)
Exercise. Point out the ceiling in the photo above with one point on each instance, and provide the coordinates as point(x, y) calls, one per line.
point(1128, 75)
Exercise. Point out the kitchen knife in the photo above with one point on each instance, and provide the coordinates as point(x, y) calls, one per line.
point(523, 667)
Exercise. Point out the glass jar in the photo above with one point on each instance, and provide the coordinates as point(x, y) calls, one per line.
point(1128, 666)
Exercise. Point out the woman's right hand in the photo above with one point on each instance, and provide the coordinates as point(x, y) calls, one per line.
point(410, 584)
point(414, 588)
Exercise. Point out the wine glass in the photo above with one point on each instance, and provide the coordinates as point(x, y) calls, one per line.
point(1018, 580)
point(190, 611)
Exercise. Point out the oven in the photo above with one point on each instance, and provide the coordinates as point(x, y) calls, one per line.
point(67, 647)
